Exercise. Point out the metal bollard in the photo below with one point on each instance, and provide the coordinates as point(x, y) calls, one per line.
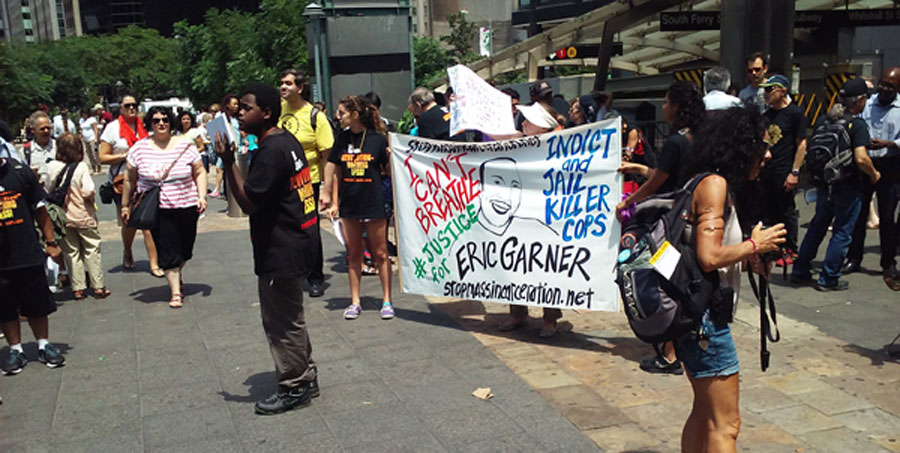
point(234, 210)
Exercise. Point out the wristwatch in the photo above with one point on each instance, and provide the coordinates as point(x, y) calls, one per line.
point(795, 172)
point(52, 244)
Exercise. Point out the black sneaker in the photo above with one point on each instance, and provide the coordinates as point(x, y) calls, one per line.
point(314, 388)
point(840, 285)
point(849, 268)
point(51, 357)
point(284, 401)
point(316, 290)
point(657, 364)
point(14, 363)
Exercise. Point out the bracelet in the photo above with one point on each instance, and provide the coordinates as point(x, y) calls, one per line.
point(753, 243)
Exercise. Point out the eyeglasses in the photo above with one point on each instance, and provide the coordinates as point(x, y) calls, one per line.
point(160, 120)
point(770, 88)
point(130, 106)
point(754, 70)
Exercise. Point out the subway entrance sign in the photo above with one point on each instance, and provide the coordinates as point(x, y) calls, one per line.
point(709, 20)
point(583, 51)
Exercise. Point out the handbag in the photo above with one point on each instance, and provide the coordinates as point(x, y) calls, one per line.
point(107, 193)
point(144, 206)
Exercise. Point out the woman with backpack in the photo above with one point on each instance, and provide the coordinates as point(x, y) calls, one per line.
point(732, 147)
point(82, 240)
point(684, 110)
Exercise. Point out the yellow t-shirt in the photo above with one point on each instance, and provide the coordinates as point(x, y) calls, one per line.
point(297, 122)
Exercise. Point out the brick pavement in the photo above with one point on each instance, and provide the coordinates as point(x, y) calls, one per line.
point(144, 377)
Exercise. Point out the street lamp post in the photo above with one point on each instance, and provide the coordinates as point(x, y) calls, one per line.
point(313, 13)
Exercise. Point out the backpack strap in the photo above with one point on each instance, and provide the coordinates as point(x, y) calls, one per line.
point(767, 323)
point(312, 117)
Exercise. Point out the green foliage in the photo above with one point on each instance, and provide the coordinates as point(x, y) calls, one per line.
point(203, 62)
point(461, 38)
point(407, 122)
point(430, 59)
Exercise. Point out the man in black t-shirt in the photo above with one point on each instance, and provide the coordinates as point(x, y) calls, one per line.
point(23, 284)
point(840, 201)
point(787, 138)
point(432, 119)
point(278, 197)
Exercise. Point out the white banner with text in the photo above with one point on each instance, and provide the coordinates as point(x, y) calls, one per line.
point(527, 221)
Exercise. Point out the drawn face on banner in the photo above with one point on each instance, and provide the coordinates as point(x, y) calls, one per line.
point(501, 191)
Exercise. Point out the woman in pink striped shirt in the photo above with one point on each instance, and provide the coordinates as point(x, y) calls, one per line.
point(182, 196)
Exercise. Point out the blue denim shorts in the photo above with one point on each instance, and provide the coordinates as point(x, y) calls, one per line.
point(720, 357)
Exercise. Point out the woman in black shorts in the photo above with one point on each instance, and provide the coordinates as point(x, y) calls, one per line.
point(360, 155)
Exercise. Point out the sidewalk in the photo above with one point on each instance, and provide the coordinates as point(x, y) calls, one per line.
point(143, 377)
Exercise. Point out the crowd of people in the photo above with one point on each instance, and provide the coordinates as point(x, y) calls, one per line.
point(303, 167)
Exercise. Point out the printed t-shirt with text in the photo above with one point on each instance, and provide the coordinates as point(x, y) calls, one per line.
point(284, 228)
point(19, 194)
point(360, 157)
point(179, 189)
point(298, 123)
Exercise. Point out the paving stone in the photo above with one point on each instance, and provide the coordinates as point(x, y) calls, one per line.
point(357, 395)
point(87, 421)
point(343, 371)
point(371, 425)
point(796, 382)
point(891, 443)
point(873, 422)
point(437, 396)
point(177, 373)
point(583, 407)
point(180, 428)
point(757, 434)
point(547, 379)
point(215, 444)
point(467, 425)
point(627, 437)
point(800, 419)
point(172, 398)
point(665, 419)
point(508, 443)
point(841, 440)
point(110, 442)
point(831, 402)
point(314, 442)
point(415, 372)
point(760, 398)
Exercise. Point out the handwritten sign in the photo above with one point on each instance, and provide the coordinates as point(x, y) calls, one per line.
point(478, 106)
point(529, 221)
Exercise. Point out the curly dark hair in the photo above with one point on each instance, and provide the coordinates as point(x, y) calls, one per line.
point(148, 117)
point(729, 144)
point(687, 97)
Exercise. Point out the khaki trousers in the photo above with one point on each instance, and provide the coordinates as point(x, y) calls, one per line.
point(281, 305)
point(82, 247)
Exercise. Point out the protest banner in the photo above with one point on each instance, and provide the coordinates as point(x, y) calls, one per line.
point(528, 221)
point(478, 105)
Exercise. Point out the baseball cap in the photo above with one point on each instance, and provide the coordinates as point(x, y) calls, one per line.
point(540, 88)
point(853, 87)
point(97, 107)
point(537, 115)
point(777, 80)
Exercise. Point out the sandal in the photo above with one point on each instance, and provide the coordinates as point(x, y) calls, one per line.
point(369, 270)
point(102, 293)
point(127, 262)
point(157, 272)
point(79, 295)
point(177, 301)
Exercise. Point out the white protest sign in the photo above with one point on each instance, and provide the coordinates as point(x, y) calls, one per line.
point(529, 221)
point(478, 106)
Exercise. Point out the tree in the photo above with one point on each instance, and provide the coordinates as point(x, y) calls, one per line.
point(430, 60)
point(461, 38)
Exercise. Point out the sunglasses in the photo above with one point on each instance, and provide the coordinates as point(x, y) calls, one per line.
point(754, 70)
point(770, 88)
point(160, 120)
point(130, 106)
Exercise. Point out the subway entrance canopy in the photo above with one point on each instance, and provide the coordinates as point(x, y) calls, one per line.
point(688, 34)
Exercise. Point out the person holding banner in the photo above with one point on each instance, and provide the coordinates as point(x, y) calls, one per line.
point(538, 120)
point(361, 153)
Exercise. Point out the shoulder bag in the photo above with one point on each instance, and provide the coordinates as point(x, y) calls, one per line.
point(144, 206)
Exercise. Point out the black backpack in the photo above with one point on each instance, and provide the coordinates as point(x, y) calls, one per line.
point(58, 195)
point(829, 156)
point(661, 309)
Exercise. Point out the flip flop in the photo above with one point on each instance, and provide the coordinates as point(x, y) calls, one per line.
point(157, 272)
point(177, 301)
point(79, 295)
point(101, 293)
